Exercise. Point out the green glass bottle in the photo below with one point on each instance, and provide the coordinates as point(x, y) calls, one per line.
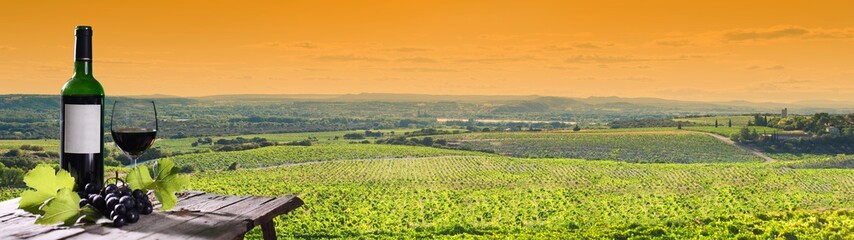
point(82, 117)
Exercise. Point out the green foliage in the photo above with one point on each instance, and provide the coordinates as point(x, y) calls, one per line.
point(729, 131)
point(499, 197)
point(165, 184)
point(44, 182)
point(279, 155)
point(737, 121)
point(65, 208)
point(52, 197)
point(643, 147)
point(11, 177)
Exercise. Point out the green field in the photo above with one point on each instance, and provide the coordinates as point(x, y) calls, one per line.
point(274, 156)
point(737, 121)
point(649, 183)
point(500, 197)
point(729, 131)
point(184, 145)
point(47, 144)
point(653, 146)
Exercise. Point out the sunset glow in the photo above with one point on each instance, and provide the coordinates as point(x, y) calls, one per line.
point(714, 51)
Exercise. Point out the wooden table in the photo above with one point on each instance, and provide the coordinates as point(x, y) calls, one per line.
point(197, 215)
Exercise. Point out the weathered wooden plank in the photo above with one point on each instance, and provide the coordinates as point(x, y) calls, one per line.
point(198, 215)
point(276, 207)
point(207, 218)
point(9, 205)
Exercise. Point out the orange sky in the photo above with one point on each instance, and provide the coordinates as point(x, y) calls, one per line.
point(718, 50)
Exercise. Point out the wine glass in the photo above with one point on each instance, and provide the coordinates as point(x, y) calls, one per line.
point(134, 126)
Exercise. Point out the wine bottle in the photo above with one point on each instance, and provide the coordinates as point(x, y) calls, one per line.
point(82, 117)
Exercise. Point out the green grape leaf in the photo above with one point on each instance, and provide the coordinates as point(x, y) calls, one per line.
point(167, 181)
point(63, 208)
point(45, 182)
point(139, 177)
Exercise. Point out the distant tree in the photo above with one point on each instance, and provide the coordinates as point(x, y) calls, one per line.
point(716, 123)
point(759, 120)
point(743, 135)
point(179, 135)
point(354, 136)
point(576, 128)
point(427, 141)
point(233, 166)
point(729, 124)
point(679, 125)
point(188, 169)
point(13, 153)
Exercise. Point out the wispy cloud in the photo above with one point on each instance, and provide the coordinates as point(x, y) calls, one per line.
point(5, 47)
point(675, 42)
point(605, 59)
point(576, 46)
point(769, 68)
point(787, 32)
point(417, 60)
point(347, 58)
point(325, 79)
point(423, 70)
point(765, 34)
point(409, 49)
point(286, 45)
point(499, 59)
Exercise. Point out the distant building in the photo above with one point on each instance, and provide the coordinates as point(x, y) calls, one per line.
point(785, 113)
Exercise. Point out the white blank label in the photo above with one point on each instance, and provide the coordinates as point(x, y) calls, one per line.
point(82, 128)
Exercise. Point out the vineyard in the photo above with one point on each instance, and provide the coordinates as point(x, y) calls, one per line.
point(274, 156)
point(500, 197)
point(636, 147)
point(729, 131)
point(699, 186)
point(737, 121)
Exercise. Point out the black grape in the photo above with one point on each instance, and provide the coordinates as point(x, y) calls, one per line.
point(90, 188)
point(138, 194)
point(119, 221)
point(146, 210)
point(111, 202)
point(132, 216)
point(83, 202)
point(99, 202)
point(139, 204)
point(110, 188)
point(125, 191)
point(112, 195)
point(120, 209)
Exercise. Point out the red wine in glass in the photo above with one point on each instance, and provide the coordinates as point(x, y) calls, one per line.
point(134, 141)
point(134, 126)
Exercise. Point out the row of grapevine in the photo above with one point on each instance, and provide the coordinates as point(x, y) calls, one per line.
point(504, 197)
point(275, 156)
point(652, 147)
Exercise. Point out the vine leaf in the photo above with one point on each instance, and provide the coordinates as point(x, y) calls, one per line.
point(45, 182)
point(64, 208)
point(166, 182)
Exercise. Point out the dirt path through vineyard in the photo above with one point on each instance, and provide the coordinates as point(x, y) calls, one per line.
point(742, 146)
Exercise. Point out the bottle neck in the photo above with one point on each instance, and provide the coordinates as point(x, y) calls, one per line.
point(82, 68)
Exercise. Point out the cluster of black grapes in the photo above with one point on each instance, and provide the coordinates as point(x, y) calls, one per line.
point(120, 204)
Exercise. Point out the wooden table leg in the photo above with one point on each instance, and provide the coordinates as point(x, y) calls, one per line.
point(269, 230)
